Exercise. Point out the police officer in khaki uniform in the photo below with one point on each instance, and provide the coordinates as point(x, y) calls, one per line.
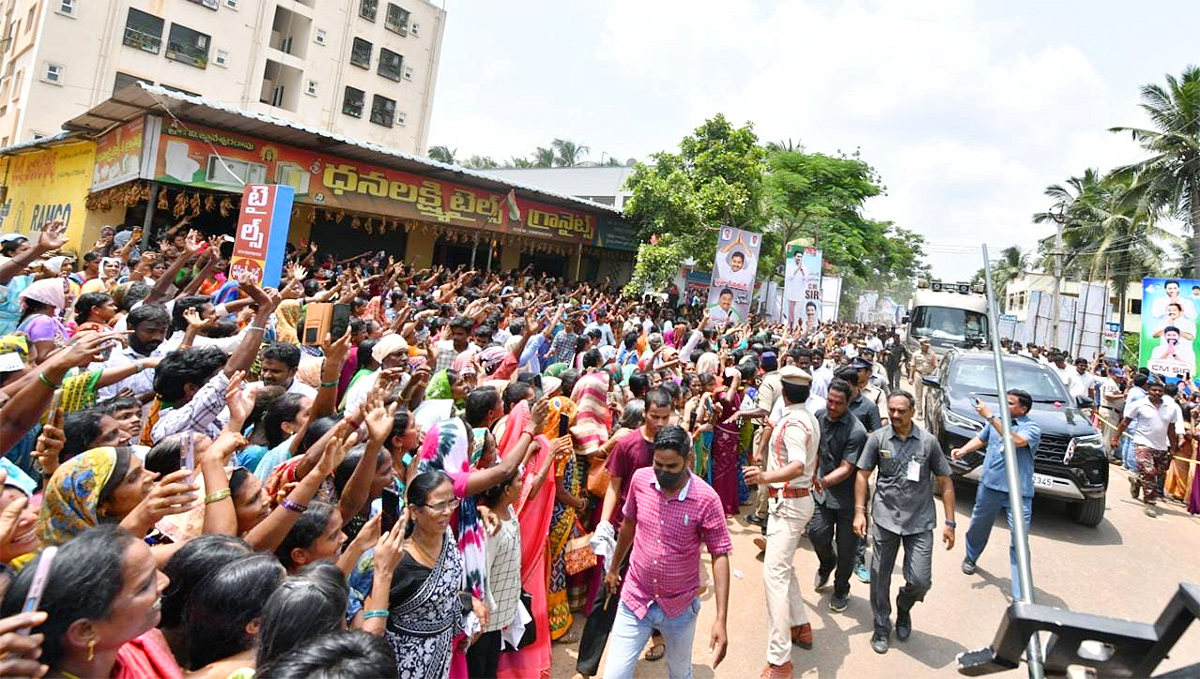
point(791, 461)
point(908, 458)
point(924, 363)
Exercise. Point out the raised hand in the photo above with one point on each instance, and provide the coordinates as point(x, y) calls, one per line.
point(53, 236)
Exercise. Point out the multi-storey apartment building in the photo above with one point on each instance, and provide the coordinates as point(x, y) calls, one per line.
point(361, 68)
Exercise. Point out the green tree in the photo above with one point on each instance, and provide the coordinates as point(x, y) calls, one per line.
point(543, 157)
point(656, 265)
point(1009, 267)
point(1169, 181)
point(519, 161)
point(567, 153)
point(715, 179)
point(821, 198)
point(443, 154)
point(478, 162)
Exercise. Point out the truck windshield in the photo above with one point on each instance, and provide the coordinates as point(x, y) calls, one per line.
point(949, 324)
point(980, 376)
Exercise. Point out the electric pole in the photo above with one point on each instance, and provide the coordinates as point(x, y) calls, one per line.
point(1056, 306)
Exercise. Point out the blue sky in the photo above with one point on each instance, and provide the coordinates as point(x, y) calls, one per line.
point(967, 109)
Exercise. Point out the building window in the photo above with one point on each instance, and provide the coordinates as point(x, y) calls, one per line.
point(383, 111)
point(401, 116)
point(367, 9)
point(360, 53)
point(143, 31)
point(408, 72)
point(415, 28)
point(390, 64)
point(352, 103)
point(311, 88)
point(231, 4)
point(397, 19)
point(187, 46)
point(66, 7)
point(319, 36)
point(54, 74)
point(1135, 307)
point(214, 5)
point(221, 58)
point(123, 80)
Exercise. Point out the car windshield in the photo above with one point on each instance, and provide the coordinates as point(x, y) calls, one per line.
point(948, 323)
point(980, 377)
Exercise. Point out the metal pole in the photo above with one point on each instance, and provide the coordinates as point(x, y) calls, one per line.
point(1058, 246)
point(489, 259)
point(474, 247)
point(1020, 535)
point(148, 219)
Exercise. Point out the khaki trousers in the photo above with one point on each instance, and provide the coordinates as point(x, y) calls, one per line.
point(785, 607)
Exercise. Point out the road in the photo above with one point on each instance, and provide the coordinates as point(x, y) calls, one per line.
point(1128, 566)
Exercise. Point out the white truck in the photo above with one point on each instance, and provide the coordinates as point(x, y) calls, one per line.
point(949, 315)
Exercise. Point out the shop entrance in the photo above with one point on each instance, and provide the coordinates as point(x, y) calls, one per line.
point(551, 265)
point(451, 254)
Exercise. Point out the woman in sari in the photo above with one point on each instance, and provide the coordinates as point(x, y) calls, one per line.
point(534, 510)
point(447, 384)
point(699, 415)
point(287, 318)
point(426, 601)
point(593, 418)
point(726, 446)
point(568, 507)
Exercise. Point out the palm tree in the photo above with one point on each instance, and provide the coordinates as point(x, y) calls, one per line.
point(519, 161)
point(1170, 179)
point(543, 157)
point(443, 154)
point(1011, 265)
point(1075, 205)
point(568, 152)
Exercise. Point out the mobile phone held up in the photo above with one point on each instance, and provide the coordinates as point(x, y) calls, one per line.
point(391, 509)
point(40, 577)
point(324, 318)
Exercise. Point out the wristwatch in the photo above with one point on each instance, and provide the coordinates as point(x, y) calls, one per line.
point(951, 524)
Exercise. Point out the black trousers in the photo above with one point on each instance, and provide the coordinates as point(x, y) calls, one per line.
point(597, 628)
point(832, 534)
point(483, 657)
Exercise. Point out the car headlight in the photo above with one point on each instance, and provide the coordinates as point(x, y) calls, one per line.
point(1093, 440)
point(960, 421)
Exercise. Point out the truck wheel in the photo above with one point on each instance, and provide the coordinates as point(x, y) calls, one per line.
point(1089, 513)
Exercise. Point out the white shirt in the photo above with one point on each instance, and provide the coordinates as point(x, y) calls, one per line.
point(1069, 378)
point(138, 383)
point(296, 387)
point(875, 343)
point(1087, 384)
point(363, 387)
point(1149, 424)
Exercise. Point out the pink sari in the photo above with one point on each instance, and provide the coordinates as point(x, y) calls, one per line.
point(533, 661)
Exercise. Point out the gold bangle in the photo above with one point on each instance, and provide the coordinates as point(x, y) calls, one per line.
point(217, 496)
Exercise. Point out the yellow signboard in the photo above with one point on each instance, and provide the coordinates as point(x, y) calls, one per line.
point(45, 185)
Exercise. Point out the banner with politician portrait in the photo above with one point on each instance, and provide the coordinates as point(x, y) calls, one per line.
point(1169, 312)
point(732, 284)
point(802, 287)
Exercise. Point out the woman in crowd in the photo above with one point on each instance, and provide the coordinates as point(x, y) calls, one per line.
point(42, 302)
point(308, 604)
point(569, 506)
point(222, 617)
point(726, 444)
point(101, 602)
point(186, 568)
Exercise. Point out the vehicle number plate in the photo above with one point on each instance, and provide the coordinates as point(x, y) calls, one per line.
point(1043, 480)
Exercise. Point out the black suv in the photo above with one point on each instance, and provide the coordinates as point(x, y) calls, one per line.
point(1069, 464)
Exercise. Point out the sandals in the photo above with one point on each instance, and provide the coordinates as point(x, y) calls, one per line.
point(656, 651)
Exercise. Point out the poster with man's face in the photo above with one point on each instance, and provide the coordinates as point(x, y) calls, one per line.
point(802, 286)
point(732, 284)
point(1169, 313)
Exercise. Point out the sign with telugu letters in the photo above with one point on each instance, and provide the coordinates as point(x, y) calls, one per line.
point(208, 158)
point(258, 248)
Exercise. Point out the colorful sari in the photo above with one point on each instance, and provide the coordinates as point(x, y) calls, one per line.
point(533, 661)
point(726, 448)
point(562, 523)
point(72, 495)
point(593, 419)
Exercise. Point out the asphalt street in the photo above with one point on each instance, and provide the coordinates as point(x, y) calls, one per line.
point(1128, 567)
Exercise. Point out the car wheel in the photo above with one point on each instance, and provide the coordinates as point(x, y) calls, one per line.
point(1089, 513)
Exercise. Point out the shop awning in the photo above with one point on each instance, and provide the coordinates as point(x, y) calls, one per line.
point(139, 99)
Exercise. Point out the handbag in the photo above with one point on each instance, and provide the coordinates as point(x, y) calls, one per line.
point(579, 554)
point(598, 477)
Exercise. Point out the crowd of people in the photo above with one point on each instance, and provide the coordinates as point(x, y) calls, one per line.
point(195, 483)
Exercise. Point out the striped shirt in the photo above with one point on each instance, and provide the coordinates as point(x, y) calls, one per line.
point(664, 567)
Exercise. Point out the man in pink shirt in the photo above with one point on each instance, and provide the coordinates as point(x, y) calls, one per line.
point(669, 513)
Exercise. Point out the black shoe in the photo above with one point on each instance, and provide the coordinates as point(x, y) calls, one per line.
point(879, 643)
point(756, 520)
point(821, 581)
point(903, 625)
point(968, 567)
point(838, 603)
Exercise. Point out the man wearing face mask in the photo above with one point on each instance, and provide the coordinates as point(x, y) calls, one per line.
point(791, 458)
point(668, 514)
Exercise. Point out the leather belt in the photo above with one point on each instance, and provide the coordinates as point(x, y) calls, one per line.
point(788, 492)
